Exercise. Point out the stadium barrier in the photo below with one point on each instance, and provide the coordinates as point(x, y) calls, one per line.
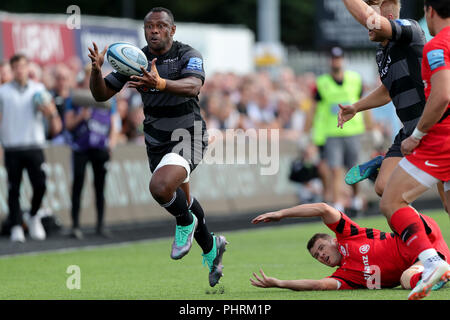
point(230, 189)
point(222, 188)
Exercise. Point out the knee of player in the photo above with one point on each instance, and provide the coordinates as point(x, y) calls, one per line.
point(161, 190)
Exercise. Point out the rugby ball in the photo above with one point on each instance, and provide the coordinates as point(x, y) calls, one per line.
point(126, 58)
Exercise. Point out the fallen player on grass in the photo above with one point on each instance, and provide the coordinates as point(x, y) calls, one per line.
point(365, 257)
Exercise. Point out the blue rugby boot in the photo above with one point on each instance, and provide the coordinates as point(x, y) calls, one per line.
point(363, 171)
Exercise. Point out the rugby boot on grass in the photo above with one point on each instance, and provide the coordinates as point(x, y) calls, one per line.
point(214, 259)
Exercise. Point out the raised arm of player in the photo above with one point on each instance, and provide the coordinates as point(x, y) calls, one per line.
point(435, 107)
point(328, 214)
point(377, 98)
point(369, 18)
point(264, 281)
point(100, 91)
point(189, 86)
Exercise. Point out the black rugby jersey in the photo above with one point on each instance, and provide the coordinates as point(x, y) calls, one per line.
point(165, 112)
point(399, 66)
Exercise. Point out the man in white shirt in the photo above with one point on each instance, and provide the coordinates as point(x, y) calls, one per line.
point(23, 109)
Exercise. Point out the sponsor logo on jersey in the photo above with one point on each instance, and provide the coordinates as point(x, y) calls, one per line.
point(171, 60)
point(385, 70)
point(367, 270)
point(429, 164)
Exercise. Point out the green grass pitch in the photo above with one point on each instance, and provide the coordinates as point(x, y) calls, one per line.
point(145, 271)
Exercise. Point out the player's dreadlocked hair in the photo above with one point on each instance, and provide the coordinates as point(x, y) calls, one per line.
point(442, 7)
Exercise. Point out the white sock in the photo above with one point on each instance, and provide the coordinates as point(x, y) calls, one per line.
point(429, 257)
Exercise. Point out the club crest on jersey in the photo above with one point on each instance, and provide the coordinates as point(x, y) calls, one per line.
point(364, 249)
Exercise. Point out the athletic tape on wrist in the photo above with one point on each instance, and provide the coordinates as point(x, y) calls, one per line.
point(161, 84)
point(418, 134)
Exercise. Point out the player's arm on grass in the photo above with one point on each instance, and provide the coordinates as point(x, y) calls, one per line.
point(328, 214)
point(100, 91)
point(264, 281)
point(369, 18)
point(188, 86)
point(435, 108)
point(377, 98)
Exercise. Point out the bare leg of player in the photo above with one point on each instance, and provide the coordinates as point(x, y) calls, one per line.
point(387, 167)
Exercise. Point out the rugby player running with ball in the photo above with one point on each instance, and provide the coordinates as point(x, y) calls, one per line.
point(169, 92)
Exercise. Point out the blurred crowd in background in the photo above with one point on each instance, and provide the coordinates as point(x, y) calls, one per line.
point(261, 100)
point(227, 100)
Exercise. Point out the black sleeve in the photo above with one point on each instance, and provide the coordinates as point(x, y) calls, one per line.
point(192, 65)
point(406, 31)
point(116, 80)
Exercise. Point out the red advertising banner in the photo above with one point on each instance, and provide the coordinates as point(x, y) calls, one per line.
point(41, 42)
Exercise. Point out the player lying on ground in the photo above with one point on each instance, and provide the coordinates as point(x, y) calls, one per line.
point(365, 257)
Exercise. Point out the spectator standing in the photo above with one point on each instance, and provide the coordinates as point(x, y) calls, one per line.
point(342, 146)
point(24, 105)
point(93, 135)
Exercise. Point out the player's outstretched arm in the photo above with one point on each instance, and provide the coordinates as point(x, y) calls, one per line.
point(369, 18)
point(328, 214)
point(264, 281)
point(100, 91)
point(377, 98)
